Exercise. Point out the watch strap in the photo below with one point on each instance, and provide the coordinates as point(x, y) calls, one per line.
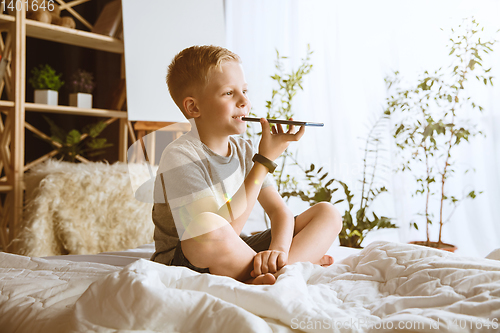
point(270, 165)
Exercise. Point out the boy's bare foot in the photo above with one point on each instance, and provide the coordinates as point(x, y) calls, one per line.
point(267, 278)
point(325, 261)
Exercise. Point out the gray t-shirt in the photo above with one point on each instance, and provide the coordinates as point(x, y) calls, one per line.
point(189, 171)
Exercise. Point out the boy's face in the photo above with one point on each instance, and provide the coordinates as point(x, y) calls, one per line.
point(224, 101)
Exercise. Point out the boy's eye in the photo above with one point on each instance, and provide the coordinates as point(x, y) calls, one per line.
point(245, 91)
point(229, 93)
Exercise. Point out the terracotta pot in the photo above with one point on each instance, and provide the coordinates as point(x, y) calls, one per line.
point(442, 246)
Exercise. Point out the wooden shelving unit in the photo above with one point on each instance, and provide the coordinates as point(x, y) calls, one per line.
point(74, 110)
point(13, 125)
point(64, 35)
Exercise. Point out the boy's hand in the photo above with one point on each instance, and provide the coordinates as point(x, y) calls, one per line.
point(273, 145)
point(269, 261)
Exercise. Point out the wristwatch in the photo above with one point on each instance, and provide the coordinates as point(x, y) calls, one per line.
point(265, 162)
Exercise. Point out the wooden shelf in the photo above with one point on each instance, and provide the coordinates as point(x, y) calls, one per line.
point(5, 188)
point(71, 110)
point(63, 109)
point(13, 155)
point(6, 104)
point(162, 126)
point(6, 18)
point(65, 35)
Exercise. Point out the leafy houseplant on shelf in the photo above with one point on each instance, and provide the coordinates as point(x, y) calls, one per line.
point(46, 83)
point(355, 228)
point(82, 84)
point(431, 122)
point(74, 144)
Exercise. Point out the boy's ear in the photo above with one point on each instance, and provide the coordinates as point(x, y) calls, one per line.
point(191, 107)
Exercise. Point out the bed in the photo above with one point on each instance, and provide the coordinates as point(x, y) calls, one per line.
point(384, 287)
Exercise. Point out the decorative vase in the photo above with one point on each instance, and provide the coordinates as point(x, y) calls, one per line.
point(81, 100)
point(46, 96)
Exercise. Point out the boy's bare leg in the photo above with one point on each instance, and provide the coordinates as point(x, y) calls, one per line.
point(315, 231)
point(223, 252)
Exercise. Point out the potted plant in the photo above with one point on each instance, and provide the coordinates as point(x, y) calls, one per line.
point(46, 83)
point(75, 143)
point(82, 84)
point(432, 119)
point(355, 227)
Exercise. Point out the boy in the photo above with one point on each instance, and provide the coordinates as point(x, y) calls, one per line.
point(207, 185)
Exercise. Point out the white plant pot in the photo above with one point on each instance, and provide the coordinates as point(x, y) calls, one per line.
point(81, 100)
point(46, 96)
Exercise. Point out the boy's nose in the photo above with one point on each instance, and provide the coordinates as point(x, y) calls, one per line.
point(243, 101)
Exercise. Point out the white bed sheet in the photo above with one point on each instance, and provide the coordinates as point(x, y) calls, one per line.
point(384, 285)
point(124, 258)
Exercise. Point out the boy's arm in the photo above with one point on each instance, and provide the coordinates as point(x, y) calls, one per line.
point(271, 146)
point(282, 228)
point(238, 208)
point(282, 222)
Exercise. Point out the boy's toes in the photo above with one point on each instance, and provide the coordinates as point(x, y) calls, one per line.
point(326, 260)
point(267, 278)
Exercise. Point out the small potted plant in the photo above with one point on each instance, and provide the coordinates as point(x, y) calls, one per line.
point(82, 84)
point(46, 83)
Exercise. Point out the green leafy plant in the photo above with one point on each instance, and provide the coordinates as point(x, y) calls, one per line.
point(73, 143)
point(355, 228)
point(45, 77)
point(432, 119)
point(82, 82)
point(280, 107)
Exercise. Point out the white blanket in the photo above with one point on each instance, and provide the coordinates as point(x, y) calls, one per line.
point(384, 287)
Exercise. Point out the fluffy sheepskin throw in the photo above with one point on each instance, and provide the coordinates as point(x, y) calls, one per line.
point(84, 209)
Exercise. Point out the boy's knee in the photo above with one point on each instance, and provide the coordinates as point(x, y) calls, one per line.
point(328, 208)
point(335, 218)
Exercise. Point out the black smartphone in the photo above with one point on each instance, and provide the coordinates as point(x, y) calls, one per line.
point(284, 122)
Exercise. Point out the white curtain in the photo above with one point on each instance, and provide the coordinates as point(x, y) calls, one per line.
point(356, 44)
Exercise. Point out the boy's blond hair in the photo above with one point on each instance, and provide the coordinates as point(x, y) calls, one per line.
point(190, 70)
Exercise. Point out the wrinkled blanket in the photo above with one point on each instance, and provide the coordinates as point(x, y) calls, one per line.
point(386, 287)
